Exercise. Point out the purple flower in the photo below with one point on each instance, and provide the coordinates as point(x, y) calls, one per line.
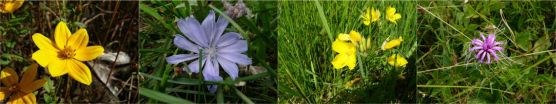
point(486, 48)
point(210, 47)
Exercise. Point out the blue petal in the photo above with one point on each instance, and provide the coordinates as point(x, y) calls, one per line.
point(230, 67)
point(185, 44)
point(221, 25)
point(175, 59)
point(192, 30)
point(211, 73)
point(194, 66)
point(236, 58)
point(228, 39)
point(237, 47)
point(208, 25)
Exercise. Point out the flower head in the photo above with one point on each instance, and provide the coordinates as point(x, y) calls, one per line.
point(397, 60)
point(391, 44)
point(64, 56)
point(371, 15)
point(210, 47)
point(346, 46)
point(20, 91)
point(9, 6)
point(391, 14)
point(486, 48)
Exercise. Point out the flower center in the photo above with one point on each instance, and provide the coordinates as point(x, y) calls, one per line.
point(67, 53)
point(210, 52)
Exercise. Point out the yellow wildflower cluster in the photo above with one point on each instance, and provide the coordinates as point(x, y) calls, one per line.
point(373, 15)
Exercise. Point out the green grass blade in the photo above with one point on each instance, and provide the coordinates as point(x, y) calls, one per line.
point(162, 96)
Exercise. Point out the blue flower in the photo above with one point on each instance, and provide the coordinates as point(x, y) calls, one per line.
point(210, 47)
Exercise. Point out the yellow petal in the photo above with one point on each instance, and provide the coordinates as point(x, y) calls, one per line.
point(79, 39)
point(58, 67)
point(23, 98)
point(366, 17)
point(343, 47)
point(391, 44)
point(339, 61)
point(352, 61)
point(29, 98)
point(343, 37)
point(88, 53)
point(9, 77)
point(80, 72)
point(45, 57)
point(10, 7)
point(397, 60)
point(29, 74)
point(61, 35)
point(3, 92)
point(43, 42)
point(355, 36)
point(375, 15)
point(31, 87)
point(342, 60)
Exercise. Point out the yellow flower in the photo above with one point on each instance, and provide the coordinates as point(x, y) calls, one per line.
point(346, 46)
point(20, 91)
point(397, 60)
point(64, 56)
point(9, 6)
point(391, 44)
point(372, 15)
point(391, 14)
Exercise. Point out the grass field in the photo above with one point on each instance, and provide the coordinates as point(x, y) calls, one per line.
point(306, 31)
point(448, 72)
point(164, 82)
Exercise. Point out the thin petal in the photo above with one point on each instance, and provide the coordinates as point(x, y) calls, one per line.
point(497, 48)
point(29, 98)
point(236, 58)
point(175, 59)
point(185, 44)
point(210, 73)
point(483, 56)
point(45, 57)
point(58, 67)
point(221, 25)
point(43, 42)
point(88, 53)
point(194, 66)
point(210, 69)
point(61, 35)
point(488, 58)
point(80, 72)
point(30, 74)
point(479, 54)
point(228, 39)
point(229, 67)
point(491, 39)
point(79, 39)
point(32, 87)
point(494, 54)
point(192, 29)
point(208, 25)
point(9, 77)
point(477, 42)
point(483, 36)
point(476, 48)
point(238, 47)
